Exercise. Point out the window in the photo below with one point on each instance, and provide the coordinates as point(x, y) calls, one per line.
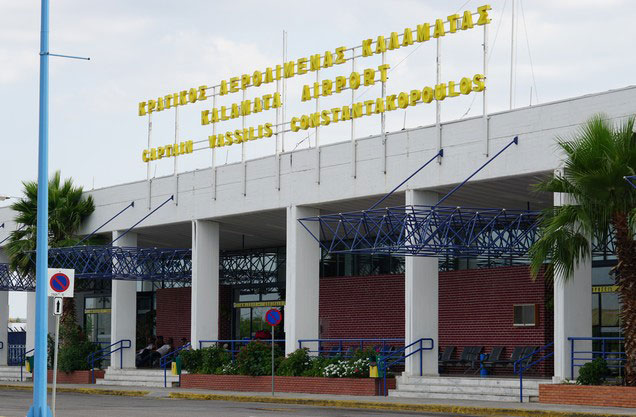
point(525, 315)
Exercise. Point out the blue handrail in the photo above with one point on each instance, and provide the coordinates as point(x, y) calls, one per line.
point(342, 343)
point(235, 345)
point(619, 357)
point(119, 347)
point(22, 359)
point(401, 356)
point(169, 358)
point(519, 368)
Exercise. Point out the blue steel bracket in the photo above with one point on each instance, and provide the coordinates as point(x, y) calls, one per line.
point(124, 263)
point(631, 180)
point(428, 231)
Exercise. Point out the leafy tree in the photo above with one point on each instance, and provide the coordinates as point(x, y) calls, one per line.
point(67, 209)
point(597, 158)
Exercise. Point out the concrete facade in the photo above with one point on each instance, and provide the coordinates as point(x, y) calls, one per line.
point(217, 211)
point(422, 300)
point(205, 282)
point(124, 311)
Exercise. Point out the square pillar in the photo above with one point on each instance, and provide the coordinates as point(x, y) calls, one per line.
point(123, 319)
point(302, 279)
point(4, 323)
point(572, 313)
point(205, 282)
point(421, 288)
point(30, 330)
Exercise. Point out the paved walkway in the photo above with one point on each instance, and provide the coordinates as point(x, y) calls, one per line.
point(346, 401)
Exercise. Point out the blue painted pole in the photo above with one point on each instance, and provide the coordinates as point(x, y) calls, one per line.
point(40, 407)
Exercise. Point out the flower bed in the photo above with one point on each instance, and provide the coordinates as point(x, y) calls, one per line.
point(301, 384)
point(594, 395)
point(75, 377)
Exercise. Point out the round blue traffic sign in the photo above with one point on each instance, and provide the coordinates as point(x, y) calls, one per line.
point(59, 282)
point(273, 317)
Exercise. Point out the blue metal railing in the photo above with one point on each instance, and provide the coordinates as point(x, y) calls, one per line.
point(22, 359)
point(519, 366)
point(169, 358)
point(338, 346)
point(234, 346)
point(106, 352)
point(15, 353)
point(400, 355)
point(615, 359)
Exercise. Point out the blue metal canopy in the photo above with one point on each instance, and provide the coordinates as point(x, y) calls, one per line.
point(428, 231)
point(12, 281)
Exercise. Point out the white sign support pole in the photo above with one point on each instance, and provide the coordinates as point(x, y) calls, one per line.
point(57, 348)
point(214, 149)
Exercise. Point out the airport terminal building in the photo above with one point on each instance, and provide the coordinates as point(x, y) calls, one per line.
point(237, 247)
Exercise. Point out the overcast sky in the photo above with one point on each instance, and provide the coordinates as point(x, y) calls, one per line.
point(141, 50)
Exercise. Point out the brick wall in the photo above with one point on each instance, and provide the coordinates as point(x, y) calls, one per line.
point(362, 307)
point(333, 386)
point(592, 395)
point(173, 313)
point(476, 308)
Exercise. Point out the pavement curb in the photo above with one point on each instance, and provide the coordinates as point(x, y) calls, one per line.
point(431, 408)
point(88, 391)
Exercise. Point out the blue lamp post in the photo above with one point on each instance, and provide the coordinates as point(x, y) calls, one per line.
point(40, 407)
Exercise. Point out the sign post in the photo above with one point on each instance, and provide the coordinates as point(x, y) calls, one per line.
point(61, 285)
point(273, 317)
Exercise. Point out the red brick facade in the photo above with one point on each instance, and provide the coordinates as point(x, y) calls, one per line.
point(475, 308)
point(362, 307)
point(173, 313)
point(75, 377)
point(600, 396)
point(334, 386)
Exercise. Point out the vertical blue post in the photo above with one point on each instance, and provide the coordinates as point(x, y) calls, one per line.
point(39, 407)
point(571, 358)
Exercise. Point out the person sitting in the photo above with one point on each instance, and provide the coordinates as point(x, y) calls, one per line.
point(143, 356)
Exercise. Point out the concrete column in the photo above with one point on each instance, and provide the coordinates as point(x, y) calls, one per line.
point(30, 331)
point(572, 313)
point(421, 299)
point(205, 282)
point(4, 322)
point(124, 311)
point(302, 279)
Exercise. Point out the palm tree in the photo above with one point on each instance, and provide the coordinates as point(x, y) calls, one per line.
point(67, 209)
point(597, 158)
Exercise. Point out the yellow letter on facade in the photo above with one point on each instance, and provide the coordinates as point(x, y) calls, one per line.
point(467, 20)
point(423, 32)
point(142, 109)
point(483, 14)
point(366, 47)
point(452, 19)
point(439, 29)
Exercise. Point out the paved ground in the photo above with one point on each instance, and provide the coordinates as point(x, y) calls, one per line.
point(87, 400)
point(16, 403)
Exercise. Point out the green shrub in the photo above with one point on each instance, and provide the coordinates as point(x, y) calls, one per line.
point(191, 360)
point(74, 344)
point(255, 359)
point(593, 373)
point(209, 360)
point(296, 364)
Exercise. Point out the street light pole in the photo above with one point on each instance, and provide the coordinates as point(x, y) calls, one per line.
point(40, 407)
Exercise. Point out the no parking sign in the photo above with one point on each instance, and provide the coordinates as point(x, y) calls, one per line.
point(61, 282)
